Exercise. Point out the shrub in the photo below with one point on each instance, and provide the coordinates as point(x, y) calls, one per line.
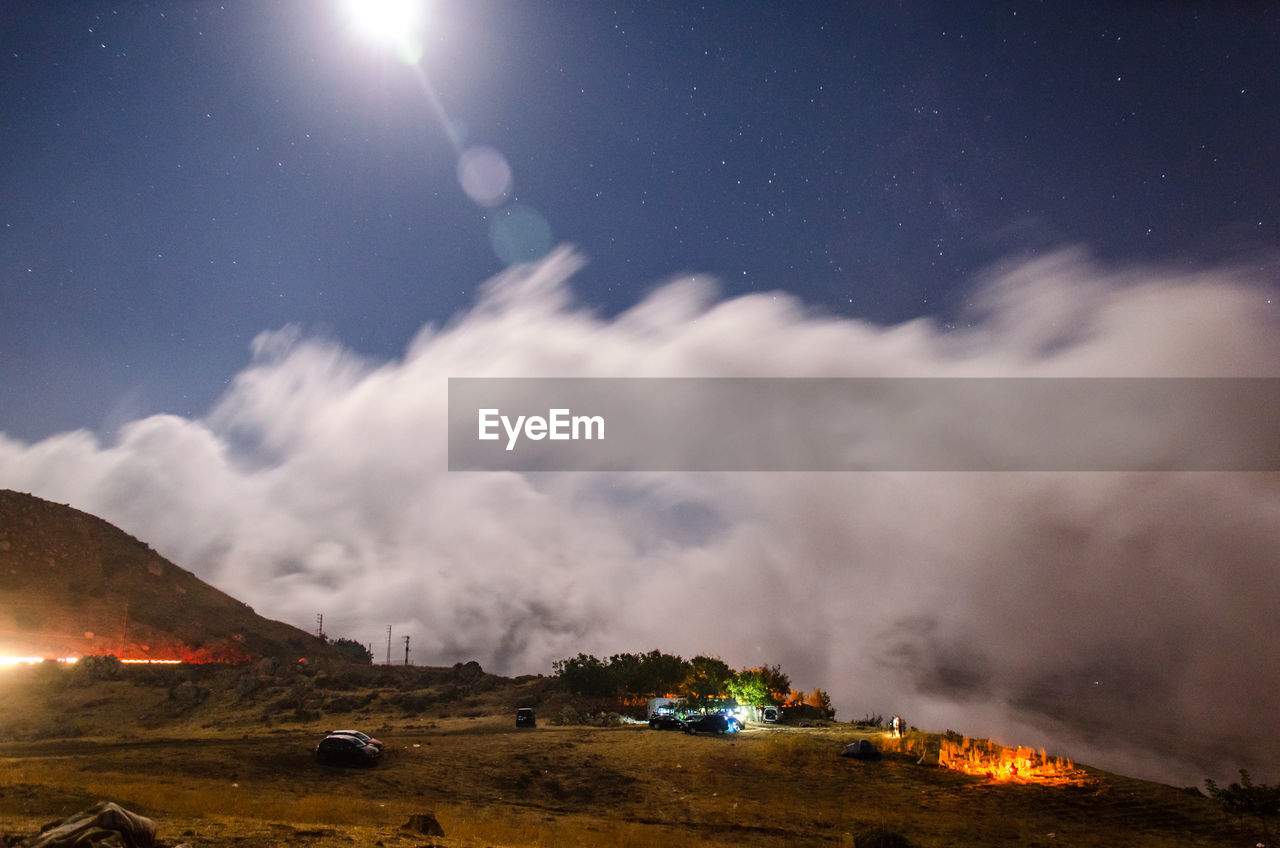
point(571, 716)
point(88, 670)
point(187, 695)
point(247, 685)
point(353, 651)
point(413, 703)
point(1247, 798)
point(349, 703)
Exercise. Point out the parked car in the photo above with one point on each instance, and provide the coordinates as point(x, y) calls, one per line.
point(526, 718)
point(347, 750)
point(363, 737)
point(714, 723)
point(665, 721)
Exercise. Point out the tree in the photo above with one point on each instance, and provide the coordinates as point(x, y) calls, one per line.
point(777, 683)
point(648, 675)
point(747, 687)
point(587, 676)
point(705, 681)
point(759, 687)
point(820, 700)
point(353, 651)
point(1247, 798)
point(628, 674)
point(663, 672)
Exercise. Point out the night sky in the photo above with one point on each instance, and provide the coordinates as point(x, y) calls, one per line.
point(181, 176)
point(243, 246)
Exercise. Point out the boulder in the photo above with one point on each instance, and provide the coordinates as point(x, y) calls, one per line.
point(103, 825)
point(861, 749)
point(878, 837)
point(424, 823)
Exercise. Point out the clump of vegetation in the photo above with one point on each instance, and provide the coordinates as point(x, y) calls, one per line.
point(353, 651)
point(246, 685)
point(700, 683)
point(349, 703)
point(187, 695)
point(869, 722)
point(93, 668)
point(413, 703)
point(586, 718)
point(1247, 798)
point(817, 700)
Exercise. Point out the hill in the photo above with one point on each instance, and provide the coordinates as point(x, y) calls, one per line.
point(76, 585)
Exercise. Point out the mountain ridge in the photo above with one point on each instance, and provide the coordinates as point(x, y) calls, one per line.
point(76, 585)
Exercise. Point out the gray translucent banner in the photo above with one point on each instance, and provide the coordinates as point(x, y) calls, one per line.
point(873, 424)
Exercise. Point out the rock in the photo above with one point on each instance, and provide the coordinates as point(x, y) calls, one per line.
point(188, 694)
point(861, 749)
point(424, 823)
point(878, 837)
point(103, 824)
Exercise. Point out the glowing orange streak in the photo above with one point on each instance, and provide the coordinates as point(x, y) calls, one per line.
point(10, 661)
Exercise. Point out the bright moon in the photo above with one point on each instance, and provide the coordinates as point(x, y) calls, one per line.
point(387, 21)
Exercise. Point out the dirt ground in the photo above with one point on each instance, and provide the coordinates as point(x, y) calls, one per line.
point(491, 784)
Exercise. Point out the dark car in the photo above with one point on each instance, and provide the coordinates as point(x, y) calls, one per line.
point(363, 737)
point(526, 718)
point(714, 723)
point(665, 721)
point(347, 750)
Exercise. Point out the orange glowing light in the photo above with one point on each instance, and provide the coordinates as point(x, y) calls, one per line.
point(4, 661)
point(983, 758)
point(14, 661)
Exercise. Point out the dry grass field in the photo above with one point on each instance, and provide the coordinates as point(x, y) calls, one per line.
point(217, 760)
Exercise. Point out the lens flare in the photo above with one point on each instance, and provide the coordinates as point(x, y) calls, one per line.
point(484, 175)
point(519, 233)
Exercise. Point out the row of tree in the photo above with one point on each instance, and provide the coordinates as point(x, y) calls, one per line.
point(699, 682)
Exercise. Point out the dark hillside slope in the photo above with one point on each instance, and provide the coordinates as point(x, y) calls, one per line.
point(71, 584)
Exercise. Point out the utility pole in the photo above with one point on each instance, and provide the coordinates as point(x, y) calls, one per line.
point(406, 650)
point(388, 644)
point(320, 625)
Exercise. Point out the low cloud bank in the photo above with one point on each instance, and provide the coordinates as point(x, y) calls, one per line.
point(1124, 618)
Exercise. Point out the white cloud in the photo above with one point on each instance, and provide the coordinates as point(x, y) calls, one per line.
point(1096, 612)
